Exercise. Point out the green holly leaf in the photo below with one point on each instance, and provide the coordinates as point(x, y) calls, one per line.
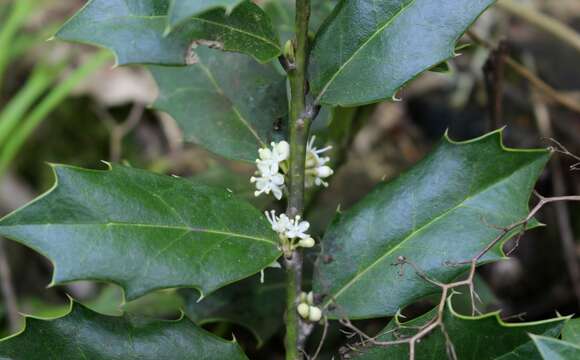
point(182, 10)
point(143, 231)
point(247, 29)
point(571, 332)
point(84, 334)
point(135, 30)
point(444, 210)
point(367, 49)
point(554, 349)
point(227, 103)
point(248, 303)
point(484, 337)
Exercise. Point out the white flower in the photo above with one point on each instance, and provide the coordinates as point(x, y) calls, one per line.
point(269, 183)
point(297, 229)
point(311, 149)
point(291, 229)
point(268, 178)
point(316, 168)
point(271, 158)
point(279, 223)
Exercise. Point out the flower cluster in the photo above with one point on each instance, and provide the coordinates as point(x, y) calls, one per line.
point(316, 168)
point(306, 308)
point(292, 232)
point(272, 166)
point(268, 178)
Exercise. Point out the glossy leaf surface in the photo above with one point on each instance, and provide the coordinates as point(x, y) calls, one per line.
point(444, 210)
point(571, 332)
point(369, 49)
point(143, 231)
point(554, 349)
point(246, 30)
point(484, 337)
point(248, 303)
point(182, 10)
point(135, 30)
point(84, 334)
point(227, 103)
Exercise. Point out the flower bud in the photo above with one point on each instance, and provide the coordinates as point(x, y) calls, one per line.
point(306, 243)
point(303, 297)
point(283, 149)
point(310, 162)
point(315, 314)
point(324, 171)
point(310, 298)
point(265, 153)
point(289, 51)
point(304, 310)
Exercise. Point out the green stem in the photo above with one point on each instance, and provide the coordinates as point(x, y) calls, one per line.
point(35, 86)
point(19, 13)
point(299, 126)
point(51, 101)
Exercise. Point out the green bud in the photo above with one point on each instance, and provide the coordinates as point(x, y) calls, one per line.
point(315, 314)
point(304, 310)
point(289, 51)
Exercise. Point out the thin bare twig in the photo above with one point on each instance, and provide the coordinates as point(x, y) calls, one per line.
point(543, 119)
point(493, 72)
point(559, 148)
point(322, 339)
point(446, 289)
point(555, 95)
point(118, 131)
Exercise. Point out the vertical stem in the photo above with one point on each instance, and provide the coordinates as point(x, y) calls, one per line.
point(293, 288)
point(299, 127)
point(299, 120)
point(493, 72)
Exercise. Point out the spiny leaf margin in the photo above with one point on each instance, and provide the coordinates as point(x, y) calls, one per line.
point(168, 333)
point(452, 319)
point(355, 237)
point(139, 284)
point(363, 82)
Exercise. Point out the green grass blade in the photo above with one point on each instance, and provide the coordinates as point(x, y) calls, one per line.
point(51, 101)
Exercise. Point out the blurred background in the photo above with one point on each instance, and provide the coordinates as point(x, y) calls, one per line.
point(65, 103)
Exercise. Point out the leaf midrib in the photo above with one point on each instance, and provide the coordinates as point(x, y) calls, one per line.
point(261, 38)
point(418, 230)
point(154, 226)
point(363, 45)
point(234, 107)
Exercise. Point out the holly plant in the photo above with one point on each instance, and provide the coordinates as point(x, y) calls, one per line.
point(275, 83)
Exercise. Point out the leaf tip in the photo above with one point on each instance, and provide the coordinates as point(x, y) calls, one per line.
point(394, 98)
point(234, 340)
point(201, 296)
point(108, 164)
